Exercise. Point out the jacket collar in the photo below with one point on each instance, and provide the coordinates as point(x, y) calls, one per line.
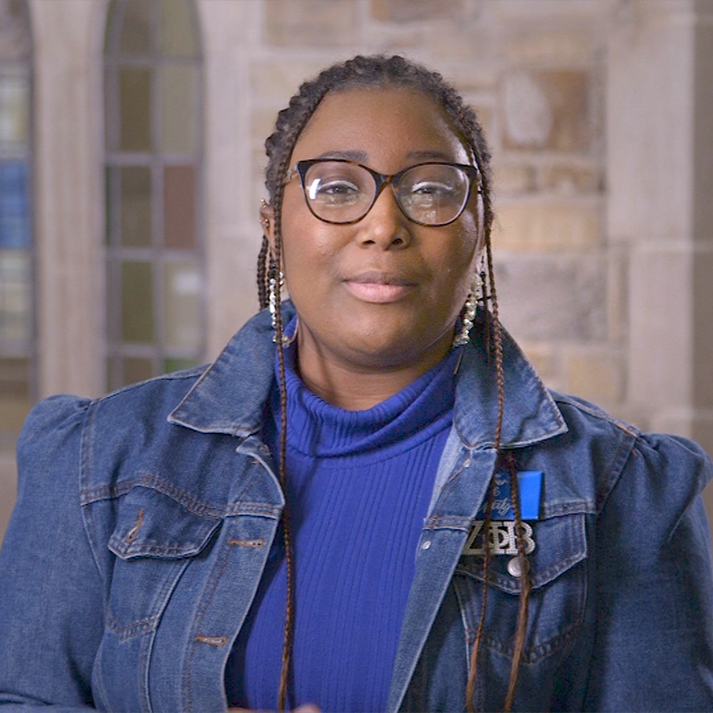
point(530, 413)
point(229, 396)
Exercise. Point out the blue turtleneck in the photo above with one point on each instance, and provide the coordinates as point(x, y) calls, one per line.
point(358, 488)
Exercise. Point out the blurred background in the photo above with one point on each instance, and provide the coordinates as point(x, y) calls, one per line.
point(131, 155)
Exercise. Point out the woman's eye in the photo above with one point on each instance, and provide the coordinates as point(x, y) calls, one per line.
point(432, 188)
point(334, 191)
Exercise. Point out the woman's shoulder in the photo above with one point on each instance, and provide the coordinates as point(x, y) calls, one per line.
point(134, 403)
point(646, 466)
point(62, 430)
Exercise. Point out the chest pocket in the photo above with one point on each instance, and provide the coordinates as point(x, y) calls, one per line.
point(557, 600)
point(155, 537)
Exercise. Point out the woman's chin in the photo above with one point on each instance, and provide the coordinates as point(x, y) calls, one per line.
point(381, 348)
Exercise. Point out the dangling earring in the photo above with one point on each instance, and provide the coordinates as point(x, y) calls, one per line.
point(476, 294)
point(276, 281)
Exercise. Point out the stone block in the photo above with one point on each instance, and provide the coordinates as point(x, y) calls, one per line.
point(545, 359)
point(649, 141)
point(468, 43)
point(660, 327)
point(531, 225)
point(485, 116)
point(567, 47)
point(415, 10)
point(273, 82)
point(513, 179)
point(551, 11)
point(391, 38)
point(547, 110)
point(597, 376)
point(311, 23)
point(617, 294)
point(552, 298)
point(571, 179)
point(470, 76)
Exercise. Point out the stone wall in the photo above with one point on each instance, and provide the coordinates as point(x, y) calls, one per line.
point(597, 113)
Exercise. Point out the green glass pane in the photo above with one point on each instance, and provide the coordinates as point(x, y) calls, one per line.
point(137, 312)
point(178, 33)
point(135, 109)
point(13, 412)
point(15, 377)
point(15, 397)
point(136, 369)
point(136, 206)
point(170, 365)
point(182, 299)
point(15, 296)
point(178, 109)
point(179, 206)
point(136, 30)
point(14, 109)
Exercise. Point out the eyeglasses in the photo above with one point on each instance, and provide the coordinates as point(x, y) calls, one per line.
point(341, 192)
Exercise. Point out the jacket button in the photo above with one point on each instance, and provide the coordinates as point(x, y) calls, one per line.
point(514, 567)
point(426, 545)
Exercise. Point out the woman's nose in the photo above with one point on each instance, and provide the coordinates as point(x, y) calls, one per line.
point(385, 225)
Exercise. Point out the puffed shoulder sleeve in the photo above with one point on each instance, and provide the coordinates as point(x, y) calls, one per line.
point(654, 583)
point(51, 609)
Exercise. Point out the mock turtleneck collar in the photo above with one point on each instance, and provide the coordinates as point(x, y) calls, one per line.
point(319, 429)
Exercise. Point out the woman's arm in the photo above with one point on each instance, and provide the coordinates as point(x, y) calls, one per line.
point(51, 602)
point(654, 643)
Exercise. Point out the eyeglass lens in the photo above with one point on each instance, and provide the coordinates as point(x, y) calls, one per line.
point(341, 192)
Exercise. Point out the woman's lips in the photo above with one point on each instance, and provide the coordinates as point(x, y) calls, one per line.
point(379, 288)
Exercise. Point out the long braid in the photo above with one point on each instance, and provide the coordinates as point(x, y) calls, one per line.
point(276, 198)
point(525, 583)
point(262, 278)
point(521, 629)
point(392, 71)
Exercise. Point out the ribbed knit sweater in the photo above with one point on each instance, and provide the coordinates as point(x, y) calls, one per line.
point(358, 488)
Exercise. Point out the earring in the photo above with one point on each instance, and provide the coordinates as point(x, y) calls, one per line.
point(263, 220)
point(476, 294)
point(276, 282)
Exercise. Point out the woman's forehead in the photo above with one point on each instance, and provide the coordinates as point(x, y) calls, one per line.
point(380, 123)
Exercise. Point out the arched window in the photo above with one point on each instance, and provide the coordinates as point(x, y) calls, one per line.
point(153, 119)
point(17, 330)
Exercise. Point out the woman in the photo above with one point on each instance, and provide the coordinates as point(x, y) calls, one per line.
point(451, 535)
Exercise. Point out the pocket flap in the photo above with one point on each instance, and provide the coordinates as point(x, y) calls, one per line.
point(153, 524)
point(560, 543)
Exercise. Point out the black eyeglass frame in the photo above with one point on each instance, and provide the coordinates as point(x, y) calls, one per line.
point(381, 180)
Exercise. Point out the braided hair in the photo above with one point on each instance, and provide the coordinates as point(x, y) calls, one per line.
point(391, 71)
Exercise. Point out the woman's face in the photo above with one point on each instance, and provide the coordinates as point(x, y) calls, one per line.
point(383, 292)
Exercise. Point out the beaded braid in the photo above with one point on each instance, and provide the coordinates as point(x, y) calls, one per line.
point(262, 279)
point(381, 71)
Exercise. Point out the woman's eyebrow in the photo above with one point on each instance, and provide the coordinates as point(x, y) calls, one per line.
point(430, 155)
point(350, 155)
point(362, 157)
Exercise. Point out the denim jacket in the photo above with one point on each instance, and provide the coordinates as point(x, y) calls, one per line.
point(144, 520)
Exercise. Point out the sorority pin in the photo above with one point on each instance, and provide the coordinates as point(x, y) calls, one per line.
point(501, 537)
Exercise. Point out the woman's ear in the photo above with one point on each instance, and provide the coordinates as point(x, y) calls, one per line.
point(267, 221)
